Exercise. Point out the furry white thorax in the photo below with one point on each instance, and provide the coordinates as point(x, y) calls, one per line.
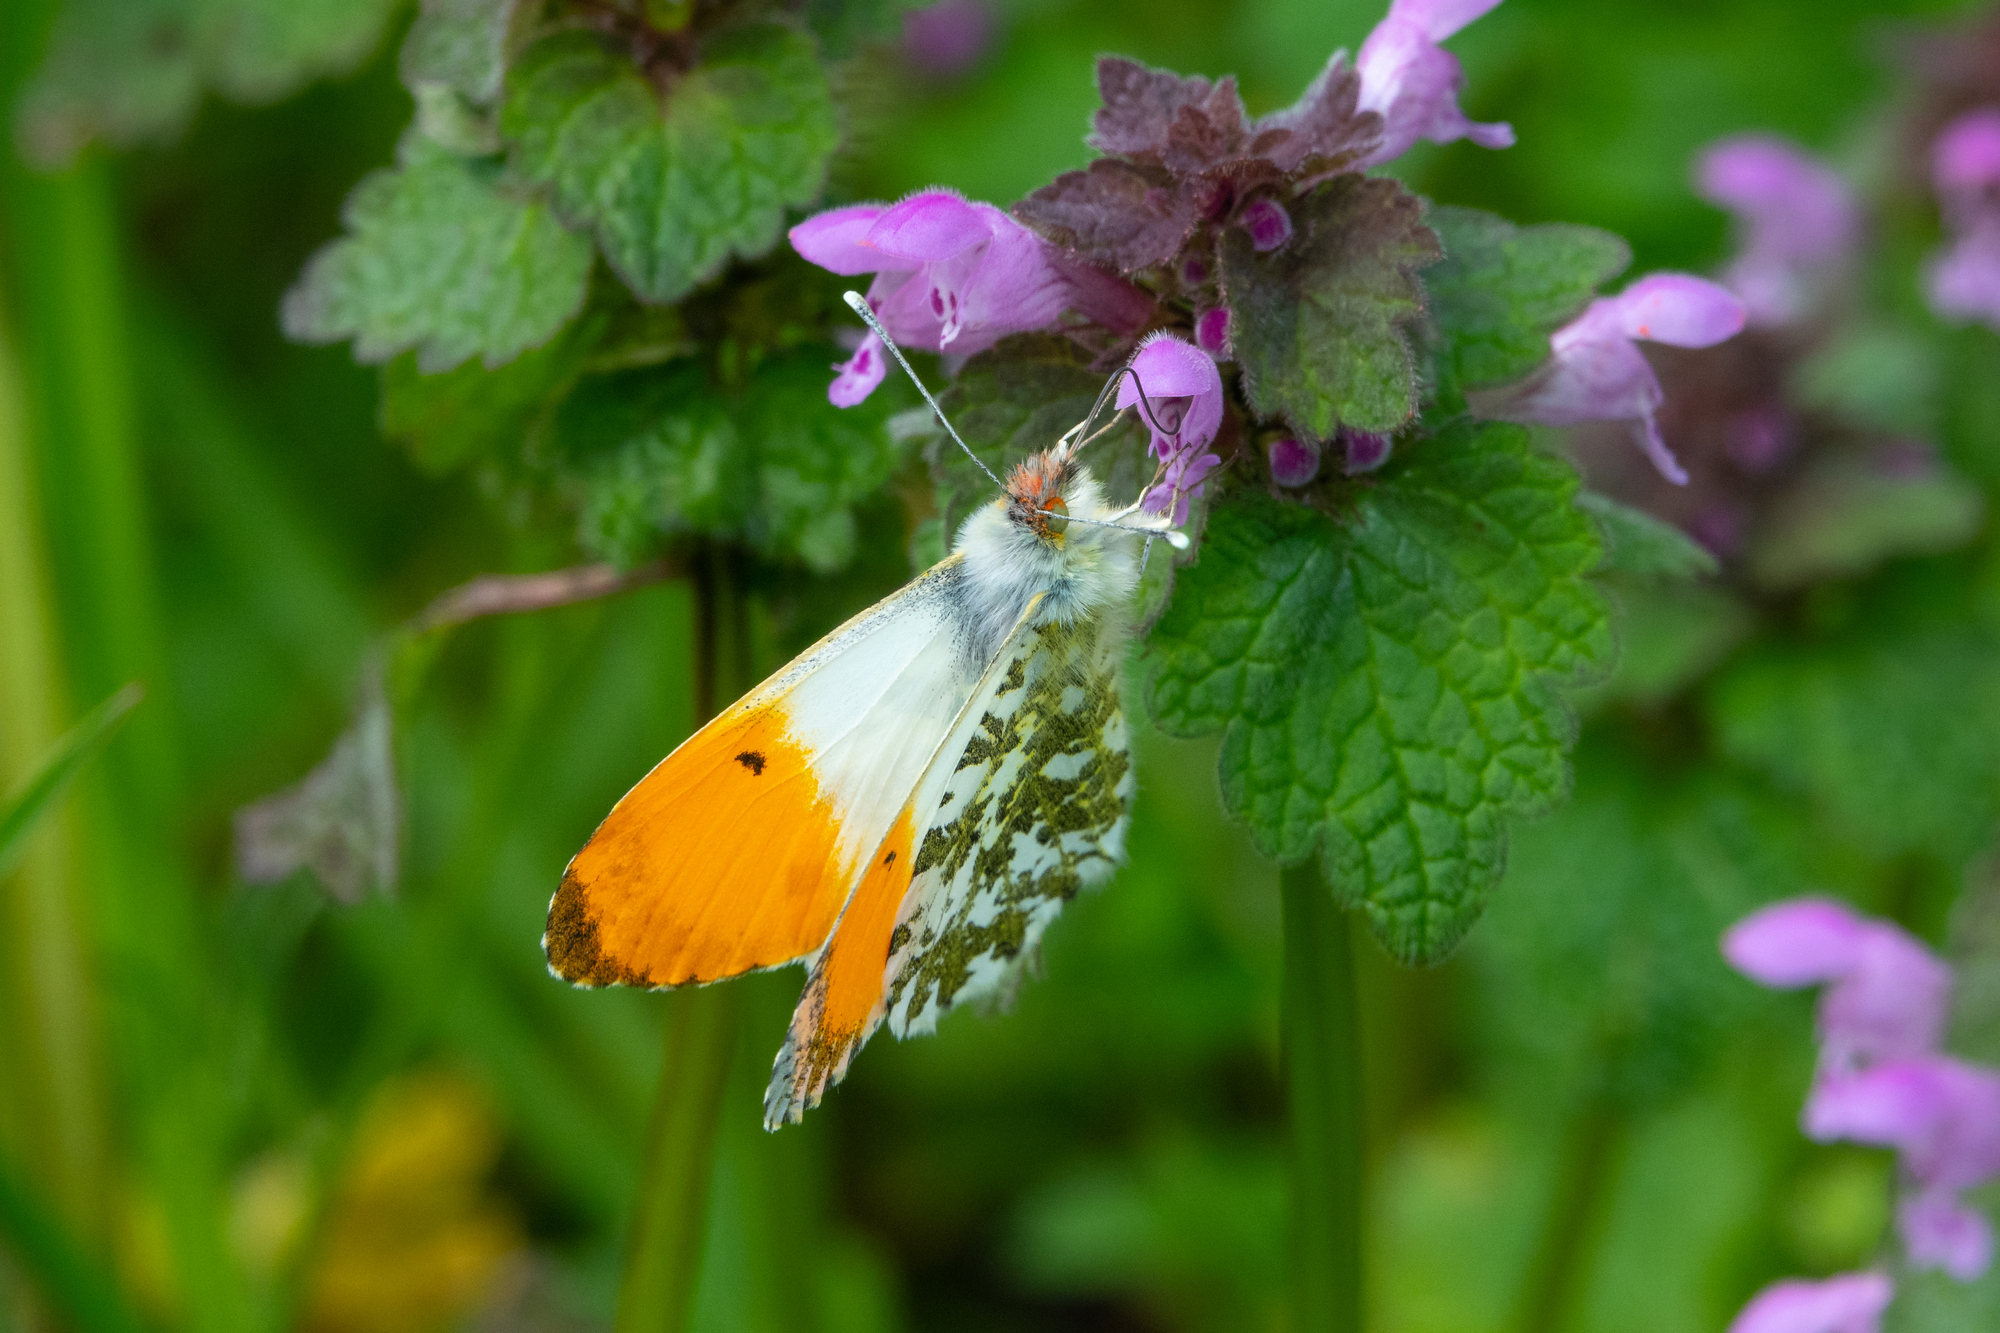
point(1089, 574)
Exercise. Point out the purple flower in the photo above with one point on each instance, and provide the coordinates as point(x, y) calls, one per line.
point(1846, 1303)
point(1293, 462)
point(1414, 83)
point(1596, 371)
point(1183, 409)
point(946, 39)
point(950, 275)
point(1943, 1118)
point(1269, 225)
point(1798, 222)
point(1888, 996)
point(1963, 282)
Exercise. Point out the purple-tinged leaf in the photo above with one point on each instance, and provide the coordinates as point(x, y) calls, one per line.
point(1114, 213)
point(1320, 326)
point(1326, 122)
point(1141, 105)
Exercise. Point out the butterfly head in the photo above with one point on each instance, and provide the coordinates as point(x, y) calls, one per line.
point(1038, 495)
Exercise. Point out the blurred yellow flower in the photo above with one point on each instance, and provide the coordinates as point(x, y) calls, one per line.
point(415, 1238)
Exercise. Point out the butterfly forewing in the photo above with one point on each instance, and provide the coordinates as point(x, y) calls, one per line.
point(740, 848)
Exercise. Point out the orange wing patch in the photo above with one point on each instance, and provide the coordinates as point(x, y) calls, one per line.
point(842, 1003)
point(722, 860)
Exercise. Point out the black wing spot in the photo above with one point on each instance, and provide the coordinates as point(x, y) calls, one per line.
point(753, 761)
point(889, 860)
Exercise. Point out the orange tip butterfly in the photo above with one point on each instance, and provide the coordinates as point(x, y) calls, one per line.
point(907, 804)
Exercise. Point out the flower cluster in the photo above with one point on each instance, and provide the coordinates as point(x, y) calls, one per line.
point(1797, 219)
point(950, 275)
point(1963, 282)
point(1596, 371)
point(1882, 1079)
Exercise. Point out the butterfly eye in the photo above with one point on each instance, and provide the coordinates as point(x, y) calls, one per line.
point(1056, 516)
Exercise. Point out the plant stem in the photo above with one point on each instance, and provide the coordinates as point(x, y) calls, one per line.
point(1322, 1071)
point(1588, 1154)
point(669, 1223)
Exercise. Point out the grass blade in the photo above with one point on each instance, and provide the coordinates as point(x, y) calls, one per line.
point(45, 790)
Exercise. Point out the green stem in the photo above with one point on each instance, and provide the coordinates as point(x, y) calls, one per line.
point(1322, 1067)
point(669, 1224)
point(1588, 1156)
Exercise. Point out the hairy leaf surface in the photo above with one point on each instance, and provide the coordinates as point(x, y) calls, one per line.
point(446, 256)
point(1321, 322)
point(674, 185)
point(661, 451)
point(1501, 290)
point(1386, 685)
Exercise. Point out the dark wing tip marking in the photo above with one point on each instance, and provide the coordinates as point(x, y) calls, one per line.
point(752, 760)
point(575, 953)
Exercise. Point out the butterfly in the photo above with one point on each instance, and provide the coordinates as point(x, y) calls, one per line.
point(904, 807)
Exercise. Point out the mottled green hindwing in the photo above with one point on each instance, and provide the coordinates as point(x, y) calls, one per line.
point(1033, 811)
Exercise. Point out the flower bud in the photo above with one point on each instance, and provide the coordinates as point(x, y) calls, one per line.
point(1269, 225)
point(1293, 462)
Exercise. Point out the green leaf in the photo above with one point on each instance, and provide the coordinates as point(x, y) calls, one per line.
point(444, 255)
point(1637, 543)
point(1018, 398)
point(661, 452)
point(674, 185)
point(1320, 322)
point(451, 418)
point(1501, 290)
point(1386, 686)
point(1893, 730)
point(461, 45)
point(125, 71)
point(44, 792)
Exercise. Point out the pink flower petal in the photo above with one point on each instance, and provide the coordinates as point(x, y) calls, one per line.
point(1941, 1114)
point(1799, 942)
point(833, 240)
point(860, 375)
point(1793, 206)
point(1963, 282)
point(1170, 368)
point(930, 226)
point(1679, 309)
point(1439, 19)
point(1414, 84)
point(1940, 1232)
point(1966, 156)
point(1848, 1303)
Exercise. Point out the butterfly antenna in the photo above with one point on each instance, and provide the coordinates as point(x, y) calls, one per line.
point(859, 304)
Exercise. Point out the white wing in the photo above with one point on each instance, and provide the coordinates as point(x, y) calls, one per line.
point(1033, 811)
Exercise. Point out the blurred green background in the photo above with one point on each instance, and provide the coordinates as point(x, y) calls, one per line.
point(386, 1118)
